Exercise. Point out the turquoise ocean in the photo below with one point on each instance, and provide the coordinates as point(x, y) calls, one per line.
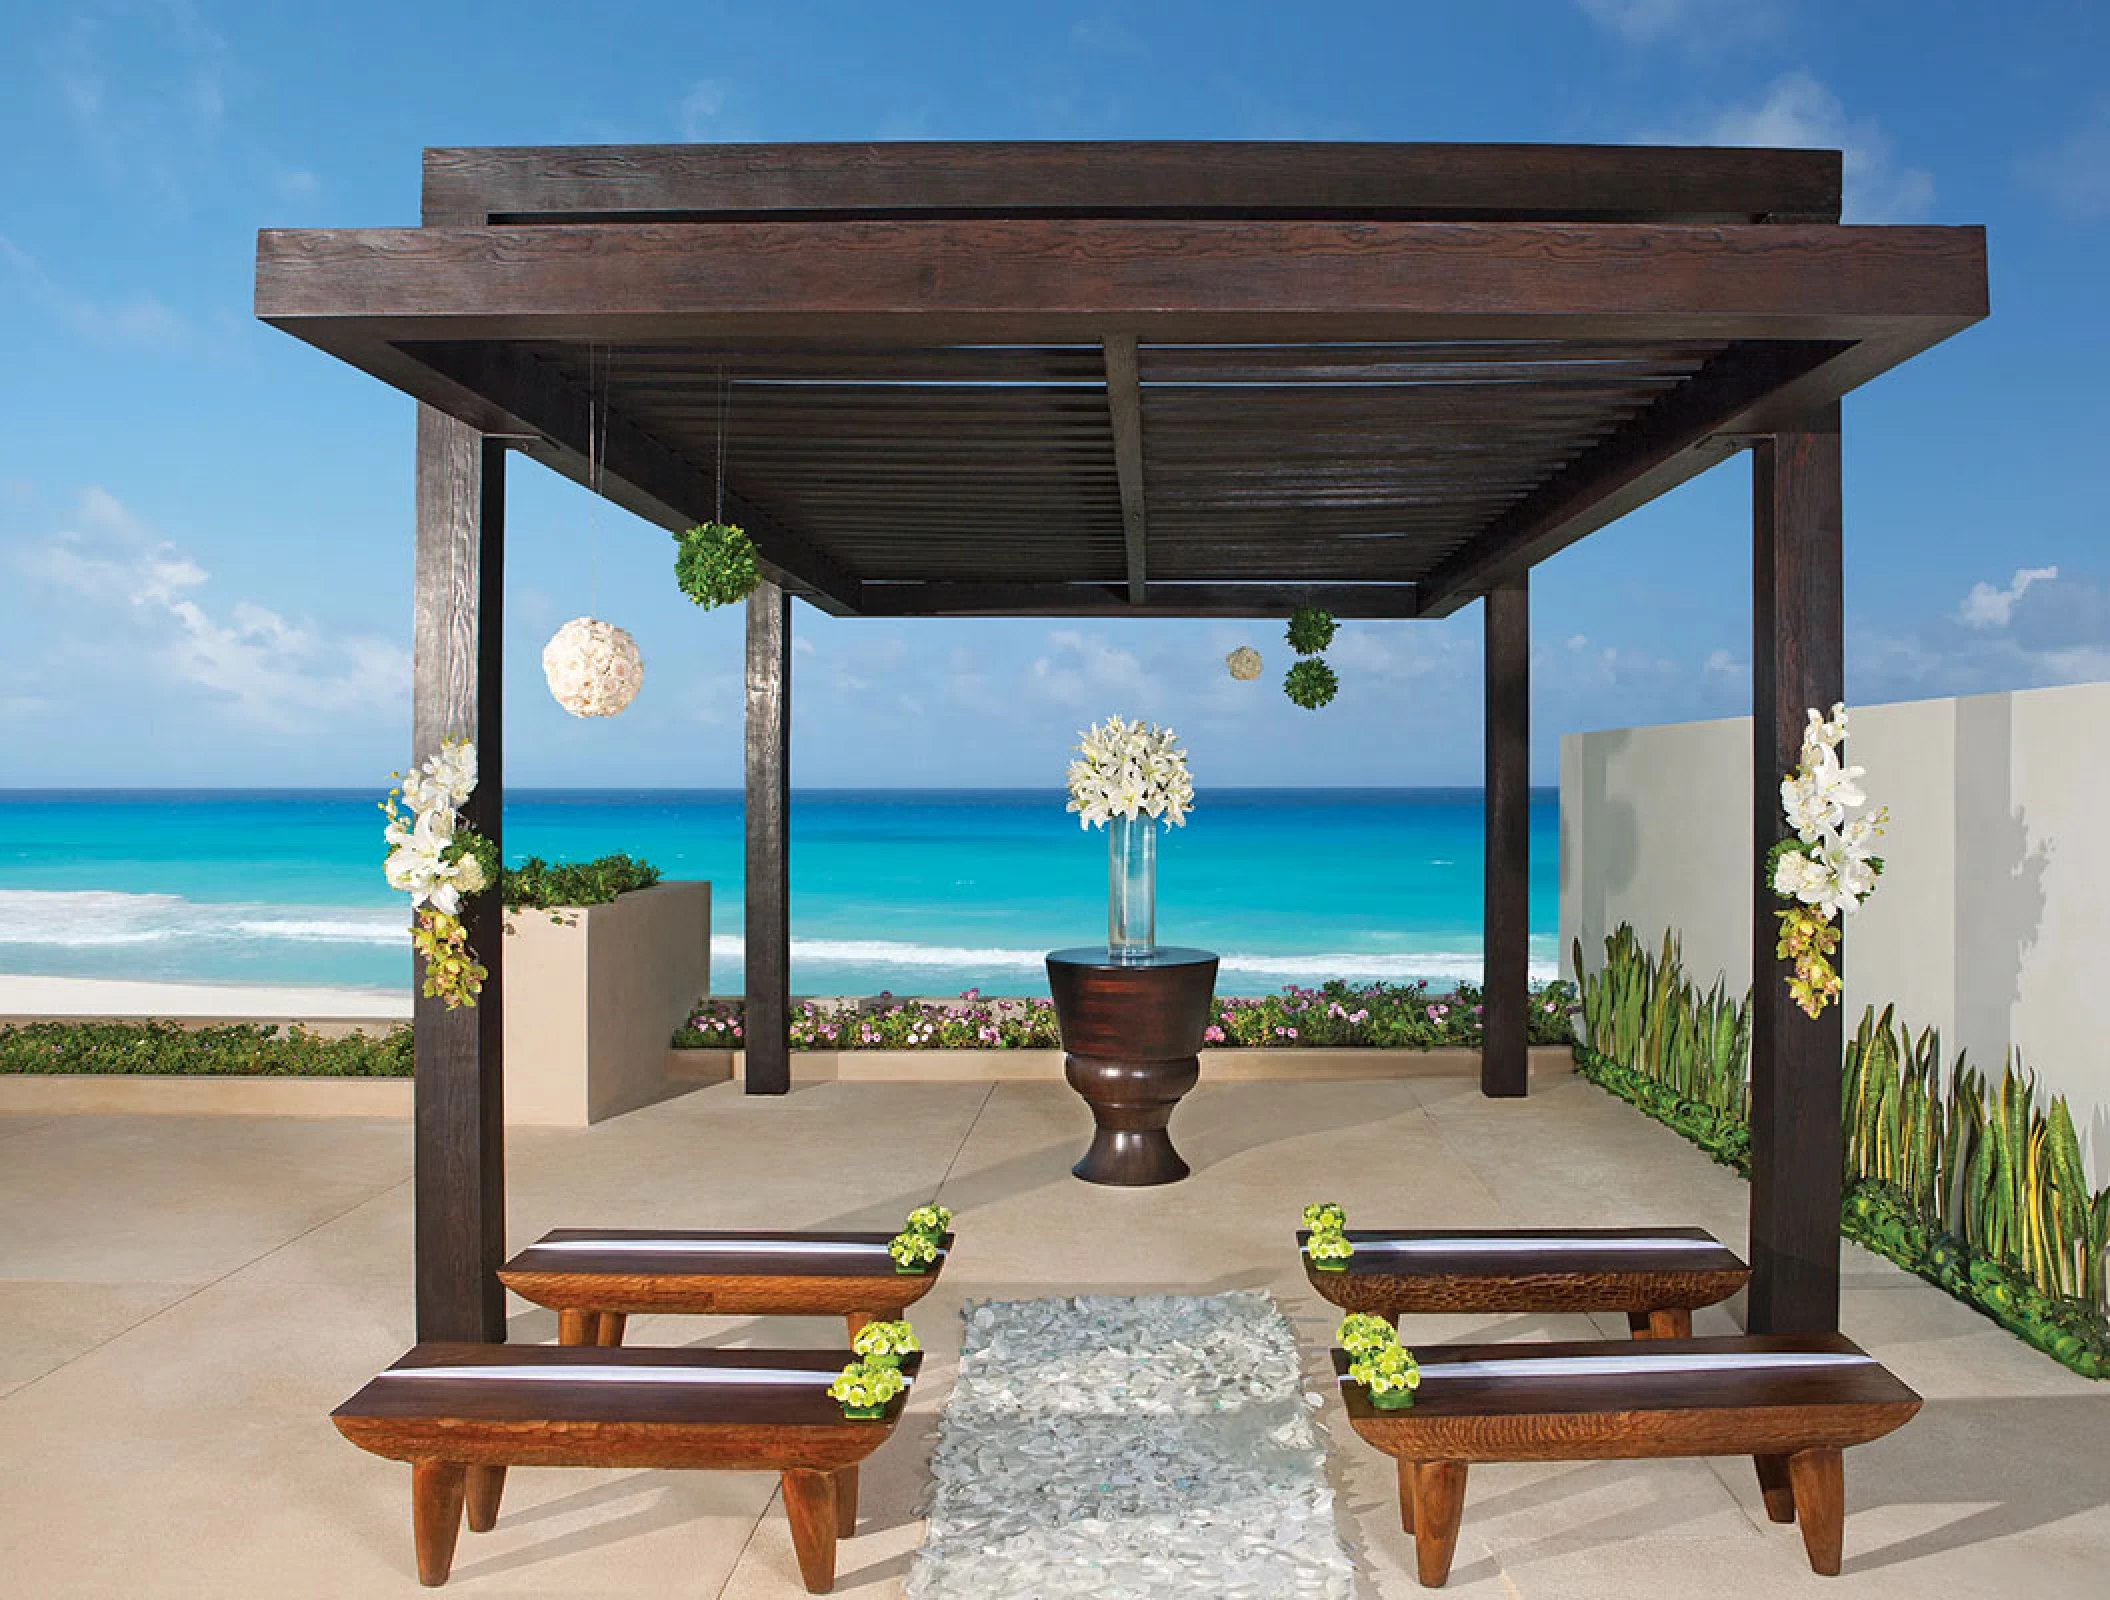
point(914, 892)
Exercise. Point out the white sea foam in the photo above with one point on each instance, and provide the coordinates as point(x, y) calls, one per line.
point(86, 919)
point(1389, 966)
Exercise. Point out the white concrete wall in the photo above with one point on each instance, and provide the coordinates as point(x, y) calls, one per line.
point(1992, 922)
point(593, 996)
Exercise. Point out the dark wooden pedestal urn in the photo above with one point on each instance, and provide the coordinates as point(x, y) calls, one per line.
point(1131, 1030)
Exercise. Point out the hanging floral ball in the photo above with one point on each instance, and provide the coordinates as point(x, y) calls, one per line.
point(593, 667)
point(1244, 663)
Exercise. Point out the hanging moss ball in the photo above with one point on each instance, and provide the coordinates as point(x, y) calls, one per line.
point(1310, 630)
point(1311, 684)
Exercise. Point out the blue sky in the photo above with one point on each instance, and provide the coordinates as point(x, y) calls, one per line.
point(205, 526)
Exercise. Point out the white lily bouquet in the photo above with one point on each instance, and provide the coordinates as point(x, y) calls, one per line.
point(1130, 769)
point(439, 860)
point(867, 1385)
point(1829, 867)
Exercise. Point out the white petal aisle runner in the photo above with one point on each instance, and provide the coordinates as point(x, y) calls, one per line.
point(1130, 1449)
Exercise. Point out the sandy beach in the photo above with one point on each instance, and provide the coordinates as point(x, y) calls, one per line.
point(22, 997)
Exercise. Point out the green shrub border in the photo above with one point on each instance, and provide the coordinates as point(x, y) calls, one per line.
point(227, 1050)
point(539, 885)
point(1877, 1218)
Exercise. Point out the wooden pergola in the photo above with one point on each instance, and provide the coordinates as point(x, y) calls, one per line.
point(1129, 380)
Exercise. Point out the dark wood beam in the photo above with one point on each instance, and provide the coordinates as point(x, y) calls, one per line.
point(1667, 444)
point(1166, 599)
point(1604, 183)
point(1124, 402)
point(1031, 281)
point(1505, 1058)
point(631, 466)
point(768, 886)
point(1797, 661)
point(459, 1126)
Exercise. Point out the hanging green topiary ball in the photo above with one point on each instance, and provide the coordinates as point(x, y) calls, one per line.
point(1310, 630)
point(1310, 684)
point(715, 564)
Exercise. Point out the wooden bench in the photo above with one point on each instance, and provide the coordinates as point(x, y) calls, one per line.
point(462, 1414)
point(596, 1278)
point(1657, 1276)
point(1791, 1403)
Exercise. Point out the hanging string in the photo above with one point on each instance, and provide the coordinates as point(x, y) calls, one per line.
point(719, 516)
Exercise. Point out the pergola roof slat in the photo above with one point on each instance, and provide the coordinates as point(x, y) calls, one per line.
point(1053, 364)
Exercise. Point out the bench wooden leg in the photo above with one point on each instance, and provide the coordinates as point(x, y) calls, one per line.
point(858, 1321)
point(436, 1489)
point(809, 1505)
point(846, 1502)
point(1439, 1502)
point(577, 1327)
point(1406, 1494)
point(1773, 1481)
point(609, 1330)
point(486, 1487)
point(1673, 1324)
point(1819, 1480)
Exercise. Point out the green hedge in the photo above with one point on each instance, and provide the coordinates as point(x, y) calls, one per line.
point(537, 885)
point(1976, 1186)
point(231, 1050)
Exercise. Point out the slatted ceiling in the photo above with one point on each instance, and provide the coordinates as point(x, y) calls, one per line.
point(1265, 463)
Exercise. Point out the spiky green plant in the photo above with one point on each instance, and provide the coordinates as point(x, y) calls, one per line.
point(1980, 1186)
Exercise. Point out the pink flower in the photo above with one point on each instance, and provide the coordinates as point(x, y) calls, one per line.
point(1212, 1035)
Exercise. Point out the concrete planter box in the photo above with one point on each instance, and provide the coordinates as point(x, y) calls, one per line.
point(115, 1095)
point(592, 994)
point(1045, 1066)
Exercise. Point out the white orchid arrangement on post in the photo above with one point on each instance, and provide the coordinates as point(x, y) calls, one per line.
point(1829, 867)
point(1130, 769)
point(439, 861)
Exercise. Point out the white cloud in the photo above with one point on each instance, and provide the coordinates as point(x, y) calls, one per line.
point(144, 85)
point(2075, 172)
point(1089, 675)
point(1799, 112)
point(277, 674)
point(140, 322)
point(1988, 607)
point(700, 108)
point(1696, 24)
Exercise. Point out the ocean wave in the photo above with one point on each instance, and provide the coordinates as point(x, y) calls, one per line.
point(1388, 966)
point(86, 919)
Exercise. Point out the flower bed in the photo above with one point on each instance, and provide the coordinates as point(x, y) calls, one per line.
point(1973, 1186)
point(168, 1049)
point(1380, 1016)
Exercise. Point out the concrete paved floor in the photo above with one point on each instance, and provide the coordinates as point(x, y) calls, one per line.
point(185, 1299)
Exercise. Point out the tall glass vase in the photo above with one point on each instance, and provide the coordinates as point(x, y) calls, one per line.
point(1131, 887)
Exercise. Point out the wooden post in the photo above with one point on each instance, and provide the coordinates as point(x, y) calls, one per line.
point(768, 941)
point(1797, 619)
point(460, 1116)
point(1504, 1053)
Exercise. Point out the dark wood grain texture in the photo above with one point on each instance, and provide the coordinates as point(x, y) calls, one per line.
point(1612, 183)
point(761, 1282)
point(459, 1121)
point(1505, 1064)
point(1132, 1033)
point(460, 1433)
point(768, 883)
point(1031, 281)
point(1124, 403)
point(1435, 1283)
point(1802, 1417)
point(1798, 662)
